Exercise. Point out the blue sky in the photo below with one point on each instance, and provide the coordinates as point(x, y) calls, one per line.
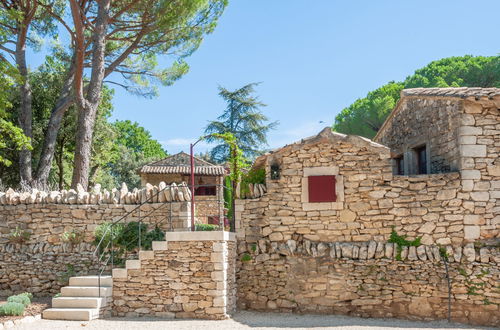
point(313, 58)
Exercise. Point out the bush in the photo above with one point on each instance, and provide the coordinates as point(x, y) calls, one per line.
point(206, 227)
point(74, 237)
point(12, 309)
point(106, 232)
point(19, 236)
point(21, 299)
point(27, 294)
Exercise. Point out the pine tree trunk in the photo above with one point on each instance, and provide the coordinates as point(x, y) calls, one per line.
point(25, 112)
point(88, 105)
point(50, 141)
point(83, 147)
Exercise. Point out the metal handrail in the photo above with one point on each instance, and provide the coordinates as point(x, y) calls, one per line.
point(100, 250)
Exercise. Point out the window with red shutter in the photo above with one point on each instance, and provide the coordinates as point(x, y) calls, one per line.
point(321, 188)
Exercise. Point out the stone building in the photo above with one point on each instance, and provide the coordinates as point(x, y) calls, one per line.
point(209, 180)
point(441, 130)
point(318, 239)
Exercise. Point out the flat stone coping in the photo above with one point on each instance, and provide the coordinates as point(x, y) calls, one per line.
point(200, 236)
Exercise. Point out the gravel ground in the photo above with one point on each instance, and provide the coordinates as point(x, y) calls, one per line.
point(36, 307)
point(247, 320)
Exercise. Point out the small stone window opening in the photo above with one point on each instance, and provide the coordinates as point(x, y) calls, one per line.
point(321, 188)
point(421, 158)
point(275, 172)
point(399, 168)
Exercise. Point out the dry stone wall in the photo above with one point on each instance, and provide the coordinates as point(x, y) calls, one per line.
point(44, 262)
point(191, 275)
point(369, 279)
point(323, 257)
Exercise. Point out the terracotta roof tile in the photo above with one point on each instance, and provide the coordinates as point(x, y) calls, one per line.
point(181, 164)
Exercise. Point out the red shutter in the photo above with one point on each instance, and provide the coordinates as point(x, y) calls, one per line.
point(322, 188)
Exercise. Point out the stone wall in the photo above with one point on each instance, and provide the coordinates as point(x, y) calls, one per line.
point(208, 206)
point(191, 275)
point(370, 280)
point(425, 120)
point(274, 272)
point(480, 164)
point(42, 264)
point(434, 206)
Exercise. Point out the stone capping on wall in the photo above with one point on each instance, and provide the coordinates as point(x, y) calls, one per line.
point(173, 193)
point(370, 250)
point(200, 236)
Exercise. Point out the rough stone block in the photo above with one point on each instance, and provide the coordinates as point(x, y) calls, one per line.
point(476, 150)
point(471, 233)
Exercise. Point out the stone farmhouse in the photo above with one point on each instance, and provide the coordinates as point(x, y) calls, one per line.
point(397, 227)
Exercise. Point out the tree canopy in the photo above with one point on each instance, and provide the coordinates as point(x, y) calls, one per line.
point(134, 44)
point(366, 115)
point(244, 120)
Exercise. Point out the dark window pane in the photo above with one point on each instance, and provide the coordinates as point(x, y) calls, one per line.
point(421, 160)
point(399, 166)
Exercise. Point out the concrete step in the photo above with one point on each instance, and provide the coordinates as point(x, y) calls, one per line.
point(106, 280)
point(73, 314)
point(78, 302)
point(86, 291)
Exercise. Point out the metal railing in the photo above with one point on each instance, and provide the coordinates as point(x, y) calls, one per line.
point(105, 251)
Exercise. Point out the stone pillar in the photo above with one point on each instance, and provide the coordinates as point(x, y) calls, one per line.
point(190, 275)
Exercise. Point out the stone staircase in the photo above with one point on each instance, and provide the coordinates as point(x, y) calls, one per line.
point(80, 300)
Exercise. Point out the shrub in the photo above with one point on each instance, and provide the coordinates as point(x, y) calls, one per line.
point(106, 232)
point(154, 235)
point(246, 257)
point(74, 237)
point(19, 236)
point(206, 227)
point(252, 176)
point(12, 309)
point(27, 294)
point(21, 299)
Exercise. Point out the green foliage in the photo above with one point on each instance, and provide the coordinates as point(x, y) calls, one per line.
point(11, 136)
point(64, 277)
point(134, 147)
point(19, 236)
point(206, 227)
point(107, 232)
point(246, 257)
point(154, 235)
point(254, 247)
point(125, 239)
point(252, 176)
point(27, 294)
point(244, 120)
point(12, 309)
point(129, 237)
point(366, 115)
point(228, 196)
point(400, 241)
point(138, 139)
point(235, 154)
point(21, 299)
point(74, 237)
point(443, 253)
point(462, 272)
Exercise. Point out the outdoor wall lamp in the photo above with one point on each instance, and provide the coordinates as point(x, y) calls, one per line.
point(275, 172)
